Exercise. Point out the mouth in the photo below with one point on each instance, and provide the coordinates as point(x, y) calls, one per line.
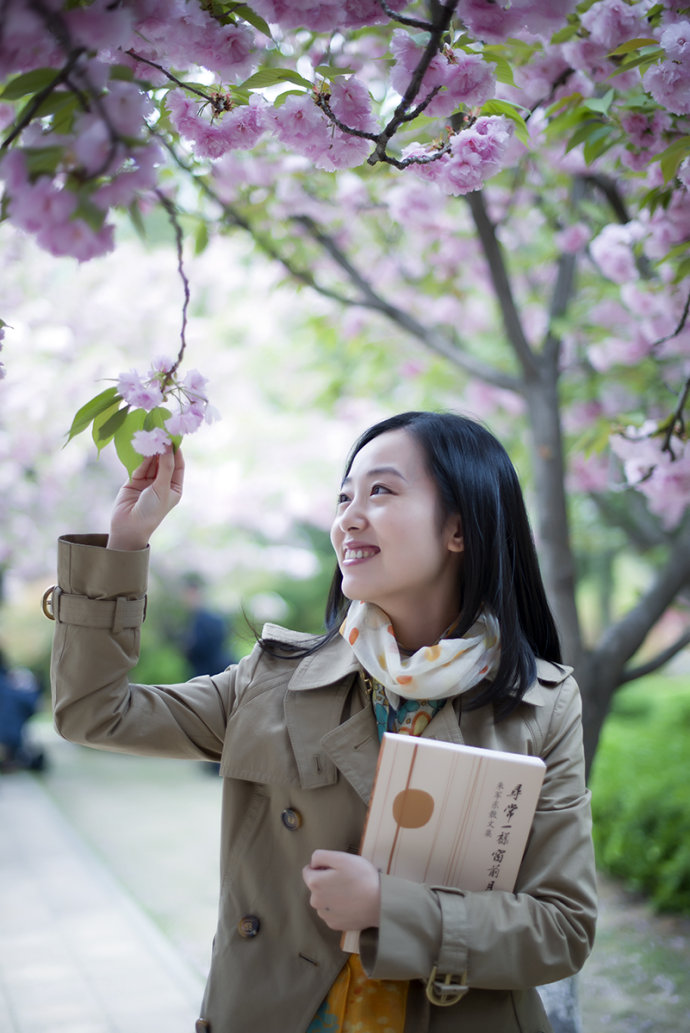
point(357, 554)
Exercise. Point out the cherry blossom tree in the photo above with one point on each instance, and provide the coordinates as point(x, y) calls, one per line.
point(508, 185)
point(491, 200)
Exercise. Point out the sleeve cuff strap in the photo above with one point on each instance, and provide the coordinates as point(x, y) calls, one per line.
point(112, 614)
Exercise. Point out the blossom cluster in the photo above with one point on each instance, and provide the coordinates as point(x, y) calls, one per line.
point(108, 70)
point(157, 388)
point(659, 470)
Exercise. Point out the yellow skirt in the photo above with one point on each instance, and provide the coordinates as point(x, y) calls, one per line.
point(357, 1004)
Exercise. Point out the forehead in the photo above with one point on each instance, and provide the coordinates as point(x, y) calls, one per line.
point(396, 450)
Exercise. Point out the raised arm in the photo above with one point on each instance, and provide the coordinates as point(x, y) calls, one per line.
point(142, 504)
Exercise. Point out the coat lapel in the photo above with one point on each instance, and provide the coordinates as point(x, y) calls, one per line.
point(320, 691)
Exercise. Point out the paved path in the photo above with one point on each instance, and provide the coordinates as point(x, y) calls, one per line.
point(76, 954)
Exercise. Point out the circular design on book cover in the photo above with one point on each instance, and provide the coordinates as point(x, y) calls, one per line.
point(412, 808)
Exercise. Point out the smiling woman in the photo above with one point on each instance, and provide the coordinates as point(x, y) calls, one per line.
point(436, 624)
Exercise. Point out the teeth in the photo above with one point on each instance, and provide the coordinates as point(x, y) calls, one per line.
point(358, 554)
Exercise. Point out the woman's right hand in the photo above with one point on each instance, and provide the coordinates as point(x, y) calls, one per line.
point(152, 491)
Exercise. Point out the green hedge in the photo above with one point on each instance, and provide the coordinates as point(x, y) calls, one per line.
point(641, 791)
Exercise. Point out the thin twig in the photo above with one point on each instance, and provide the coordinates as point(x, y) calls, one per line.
point(414, 85)
point(39, 97)
point(681, 325)
point(403, 19)
point(173, 78)
point(676, 422)
point(172, 215)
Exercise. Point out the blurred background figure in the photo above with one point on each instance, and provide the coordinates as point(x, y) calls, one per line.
point(20, 696)
point(205, 642)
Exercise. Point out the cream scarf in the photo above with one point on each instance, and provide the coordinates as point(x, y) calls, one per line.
point(448, 668)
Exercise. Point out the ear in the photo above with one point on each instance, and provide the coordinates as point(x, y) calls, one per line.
point(456, 542)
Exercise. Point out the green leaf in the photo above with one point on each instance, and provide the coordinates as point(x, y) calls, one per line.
point(674, 154)
point(123, 440)
point(641, 61)
point(88, 412)
point(633, 44)
point(282, 97)
point(583, 134)
point(600, 140)
point(563, 35)
point(273, 77)
point(137, 220)
point(503, 107)
point(28, 82)
point(599, 104)
point(254, 19)
point(201, 238)
point(105, 428)
point(103, 417)
point(331, 72)
point(42, 159)
point(495, 55)
point(156, 418)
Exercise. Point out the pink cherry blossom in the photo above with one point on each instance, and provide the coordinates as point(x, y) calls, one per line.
point(669, 85)
point(139, 393)
point(184, 422)
point(574, 238)
point(351, 103)
point(612, 251)
point(612, 22)
point(676, 42)
point(151, 442)
point(663, 477)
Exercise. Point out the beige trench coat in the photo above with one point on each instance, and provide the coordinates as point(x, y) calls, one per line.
point(297, 745)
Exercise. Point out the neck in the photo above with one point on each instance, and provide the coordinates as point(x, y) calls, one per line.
point(414, 631)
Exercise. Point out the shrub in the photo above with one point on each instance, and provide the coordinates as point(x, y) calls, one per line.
point(641, 794)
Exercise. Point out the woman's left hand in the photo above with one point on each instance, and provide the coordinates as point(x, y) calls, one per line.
point(345, 890)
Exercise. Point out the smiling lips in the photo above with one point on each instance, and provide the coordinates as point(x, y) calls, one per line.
point(354, 553)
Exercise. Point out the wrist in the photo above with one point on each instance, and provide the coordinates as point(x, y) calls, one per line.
point(125, 543)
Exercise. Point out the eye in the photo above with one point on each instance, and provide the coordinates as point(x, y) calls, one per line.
point(342, 499)
point(380, 489)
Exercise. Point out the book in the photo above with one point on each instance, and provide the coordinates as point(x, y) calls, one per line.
point(449, 815)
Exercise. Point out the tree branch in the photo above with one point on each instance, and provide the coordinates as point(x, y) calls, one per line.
point(633, 673)
point(400, 114)
point(38, 98)
point(234, 218)
point(403, 19)
point(172, 215)
point(501, 283)
point(622, 640)
point(435, 342)
point(562, 293)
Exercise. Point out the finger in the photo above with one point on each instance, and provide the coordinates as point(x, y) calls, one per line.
point(177, 479)
point(324, 858)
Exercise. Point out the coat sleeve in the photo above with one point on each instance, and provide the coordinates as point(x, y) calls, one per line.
point(99, 605)
point(541, 932)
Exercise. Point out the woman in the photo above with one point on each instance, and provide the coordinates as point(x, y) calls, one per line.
point(431, 538)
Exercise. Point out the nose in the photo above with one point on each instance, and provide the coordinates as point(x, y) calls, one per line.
point(351, 516)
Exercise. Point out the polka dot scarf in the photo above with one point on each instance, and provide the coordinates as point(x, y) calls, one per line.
point(446, 668)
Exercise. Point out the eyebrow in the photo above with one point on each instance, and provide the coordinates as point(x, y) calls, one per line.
point(378, 471)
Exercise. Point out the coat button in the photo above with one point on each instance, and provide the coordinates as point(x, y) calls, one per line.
point(291, 819)
point(248, 926)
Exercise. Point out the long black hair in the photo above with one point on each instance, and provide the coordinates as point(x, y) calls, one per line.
point(476, 480)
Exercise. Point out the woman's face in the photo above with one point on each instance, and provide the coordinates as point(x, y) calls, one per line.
point(394, 549)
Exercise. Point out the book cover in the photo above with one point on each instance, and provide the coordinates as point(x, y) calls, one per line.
point(449, 814)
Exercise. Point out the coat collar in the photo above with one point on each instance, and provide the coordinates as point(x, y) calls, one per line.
point(323, 743)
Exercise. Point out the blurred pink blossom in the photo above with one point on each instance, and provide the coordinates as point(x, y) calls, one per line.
point(139, 393)
point(151, 442)
point(663, 477)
